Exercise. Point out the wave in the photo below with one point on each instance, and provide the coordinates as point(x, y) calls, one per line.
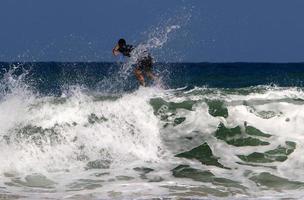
point(183, 142)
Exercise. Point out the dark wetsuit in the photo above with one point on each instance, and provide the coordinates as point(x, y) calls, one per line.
point(144, 63)
point(126, 50)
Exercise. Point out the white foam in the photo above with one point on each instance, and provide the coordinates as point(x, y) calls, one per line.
point(130, 131)
point(127, 133)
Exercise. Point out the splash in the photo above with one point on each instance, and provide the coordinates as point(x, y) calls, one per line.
point(155, 41)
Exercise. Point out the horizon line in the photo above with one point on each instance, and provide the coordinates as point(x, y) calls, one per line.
point(186, 62)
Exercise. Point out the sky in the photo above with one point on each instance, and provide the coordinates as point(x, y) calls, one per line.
point(210, 30)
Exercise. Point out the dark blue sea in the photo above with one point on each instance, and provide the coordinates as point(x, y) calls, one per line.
point(49, 77)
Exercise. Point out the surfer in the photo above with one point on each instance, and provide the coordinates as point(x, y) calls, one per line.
point(143, 64)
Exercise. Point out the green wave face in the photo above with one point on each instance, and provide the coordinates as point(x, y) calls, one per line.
point(250, 135)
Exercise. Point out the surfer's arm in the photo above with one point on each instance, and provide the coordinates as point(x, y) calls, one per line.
point(115, 50)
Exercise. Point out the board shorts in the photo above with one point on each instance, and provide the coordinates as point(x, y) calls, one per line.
point(145, 64)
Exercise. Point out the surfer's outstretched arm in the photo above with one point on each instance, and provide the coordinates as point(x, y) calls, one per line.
point(115, 50)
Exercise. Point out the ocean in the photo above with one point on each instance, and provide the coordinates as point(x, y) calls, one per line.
point(202, 131)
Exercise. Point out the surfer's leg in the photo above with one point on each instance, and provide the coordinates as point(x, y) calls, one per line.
point(150, 75)
point(147, 66)
point(139, 76)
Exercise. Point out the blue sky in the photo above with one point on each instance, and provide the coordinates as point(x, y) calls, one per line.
point(217, 31)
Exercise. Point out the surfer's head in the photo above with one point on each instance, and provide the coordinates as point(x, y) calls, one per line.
point(122, 42)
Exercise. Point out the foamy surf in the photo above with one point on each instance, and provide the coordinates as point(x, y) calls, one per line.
point(241, 143)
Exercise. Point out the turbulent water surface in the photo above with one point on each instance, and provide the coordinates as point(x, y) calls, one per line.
point(203, 131)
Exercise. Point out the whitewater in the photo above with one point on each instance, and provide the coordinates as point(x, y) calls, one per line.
point(152, 142)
